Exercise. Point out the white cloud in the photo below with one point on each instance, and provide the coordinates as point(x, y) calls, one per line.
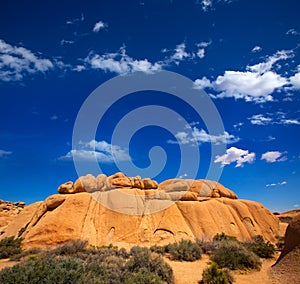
point(277, 118)
point(266, 66)
point(66, 42)
point(4, 153)
point(256, 84)
point(276, 184)
point(75, 20)
point(256, 49)
point(180, 53)
point(201, 53)
point(274, 156)
point(99, 26)
point(201, 136)
point(295, 79)
point(292, 32)
point(121, 63)
point(206, 4)
point(15, 62)
point(260, 119)
point(102, 151)
point(235, 155)
point(202, 83)
point(204, 43)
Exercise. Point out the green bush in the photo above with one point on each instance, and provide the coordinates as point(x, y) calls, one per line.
point(143, 259)
point(75, 264)
point(214, 275)
point(261, 248)
point(10, 247)
point(43, 271)
point(143, 276)
point(224, 237)
point(71, 247)
point(185, 250)
point(233, 255)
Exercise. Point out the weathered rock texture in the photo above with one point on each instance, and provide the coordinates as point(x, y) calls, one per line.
point(201, 212)
point(8, 211)
point(287, 268)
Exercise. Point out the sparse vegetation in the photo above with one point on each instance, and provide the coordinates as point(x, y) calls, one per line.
point(10, 247)
point(185, 250)
point(261, 248)
point(234, 255)
point(214, 275)
point(74, 263)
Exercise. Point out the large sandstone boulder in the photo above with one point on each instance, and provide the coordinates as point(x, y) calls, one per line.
point(89, 183)
point(63, 217)
point(203, 188)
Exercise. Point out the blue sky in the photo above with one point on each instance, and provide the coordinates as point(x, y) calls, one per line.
point(244, 54)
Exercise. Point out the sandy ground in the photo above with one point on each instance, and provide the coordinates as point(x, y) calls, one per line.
point(191, 272)
point(6, 263)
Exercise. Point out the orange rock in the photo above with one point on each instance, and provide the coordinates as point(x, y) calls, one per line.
point(80, 216)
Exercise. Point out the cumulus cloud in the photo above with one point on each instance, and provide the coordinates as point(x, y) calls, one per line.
point(99, 26)
point(121, 63)
point(274, 156)
point(4, 153)
point(101, 150)
point(16, 62)
point(295, 79)
point(201, 136)
point(256, 49)
point(180, 53)
point(201, 51)
point(256, 84)
point(276, 184)
point(235, 155)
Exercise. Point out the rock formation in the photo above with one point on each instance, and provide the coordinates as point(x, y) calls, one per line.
point(133, 211)
point(287, 269)
point(8, 211)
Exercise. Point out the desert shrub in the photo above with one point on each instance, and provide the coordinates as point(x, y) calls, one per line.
point(143, 276)
point(10, 246)
point(261, 248)
point(49, 270)
point(71, 247)
point(214, 275)
point(73, 263)
point(158, 249)
point(142, 259)
point(234, 255)
point(185, 250)
point(224, 237)
point(280, 243)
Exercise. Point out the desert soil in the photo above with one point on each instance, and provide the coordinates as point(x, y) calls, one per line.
point(191, 272)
